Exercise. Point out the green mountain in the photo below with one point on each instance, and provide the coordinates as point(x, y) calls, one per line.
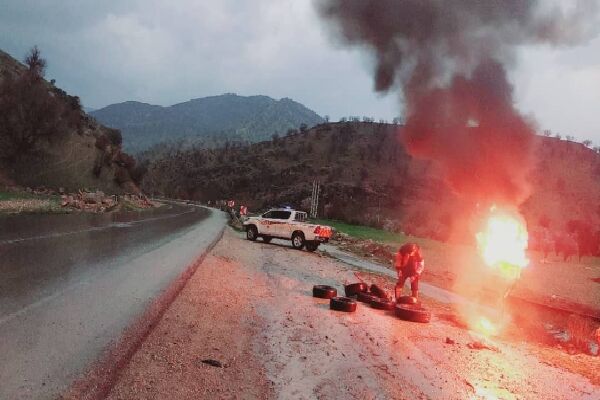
point(209, 120)
point(368, 177)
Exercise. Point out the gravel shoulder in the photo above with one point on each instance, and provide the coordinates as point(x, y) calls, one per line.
point(249, 307)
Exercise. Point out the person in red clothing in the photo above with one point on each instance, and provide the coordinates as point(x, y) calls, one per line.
point(409, 264)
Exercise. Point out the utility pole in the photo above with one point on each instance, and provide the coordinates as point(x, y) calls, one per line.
point(314, 201)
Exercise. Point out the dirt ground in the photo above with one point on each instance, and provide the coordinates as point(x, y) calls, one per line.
point(249, 307)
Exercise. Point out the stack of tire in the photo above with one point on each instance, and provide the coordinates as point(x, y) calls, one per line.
point(375, 296)
point(336, 303)
point(406, 307)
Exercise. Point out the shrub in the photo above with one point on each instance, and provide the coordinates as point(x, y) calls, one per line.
point(102, 142)
point(125, 160)
point(138, 172)
point(114, 136)
point(122, 176)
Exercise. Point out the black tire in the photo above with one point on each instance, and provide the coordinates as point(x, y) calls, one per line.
point(312, 246)
point(383, 304)
point(408, 300)
point(355, 288)
point(298, 240)
point(342, 304)
point(379, 292)
point(365, 297)
point(267, 239)
point(251, 233)
point(412, 313)
point(324, 291)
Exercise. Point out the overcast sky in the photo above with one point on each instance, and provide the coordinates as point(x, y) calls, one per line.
point(165, 52)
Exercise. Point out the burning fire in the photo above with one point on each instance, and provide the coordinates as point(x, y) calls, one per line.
point(485, 326)
point(502, 245)
point(503, 242)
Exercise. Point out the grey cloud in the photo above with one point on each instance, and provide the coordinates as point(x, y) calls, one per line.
point(167, 52)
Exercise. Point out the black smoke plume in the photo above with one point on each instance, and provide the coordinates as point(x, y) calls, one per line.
point(450, 58)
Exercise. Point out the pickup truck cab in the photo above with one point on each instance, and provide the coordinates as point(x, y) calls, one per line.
point(289, 224)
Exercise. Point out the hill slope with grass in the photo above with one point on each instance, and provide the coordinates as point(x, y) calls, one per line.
point(47, 140)
point(209, 121)
point(367, 177)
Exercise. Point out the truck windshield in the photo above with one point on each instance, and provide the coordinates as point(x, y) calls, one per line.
point(278, 214)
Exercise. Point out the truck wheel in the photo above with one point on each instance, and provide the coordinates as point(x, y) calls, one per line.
point(312, 246)
point(355, 288)
point(298, 240)
point(324, 291)
point(342, 304)
point(251, 233)
point(267, 239)
point(412, 313)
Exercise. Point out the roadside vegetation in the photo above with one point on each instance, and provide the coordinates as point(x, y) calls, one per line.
point(378, 235)
point(13, 202)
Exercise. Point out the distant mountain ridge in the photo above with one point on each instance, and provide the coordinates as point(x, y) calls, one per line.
point(213, 119)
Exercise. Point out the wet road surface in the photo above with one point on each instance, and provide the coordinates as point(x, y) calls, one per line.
point(69, 284)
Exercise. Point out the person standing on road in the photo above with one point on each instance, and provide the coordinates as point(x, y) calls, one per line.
point(409, 264)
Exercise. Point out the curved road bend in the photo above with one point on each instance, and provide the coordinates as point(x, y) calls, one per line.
point(70, 284)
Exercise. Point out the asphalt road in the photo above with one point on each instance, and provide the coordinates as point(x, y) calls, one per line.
point(70, 284)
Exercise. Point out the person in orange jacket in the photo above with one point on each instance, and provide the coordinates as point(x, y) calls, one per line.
point(409, 264)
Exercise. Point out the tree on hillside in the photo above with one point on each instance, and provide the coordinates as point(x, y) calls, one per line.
point(587, 143)
point(114, 136)
point(30, 111)
point(35, 62)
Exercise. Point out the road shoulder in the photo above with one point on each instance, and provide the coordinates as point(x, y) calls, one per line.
point(210, 322)
point(249, 307)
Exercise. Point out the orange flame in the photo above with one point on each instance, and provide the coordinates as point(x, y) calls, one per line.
point(485, 327)
point(503, 243)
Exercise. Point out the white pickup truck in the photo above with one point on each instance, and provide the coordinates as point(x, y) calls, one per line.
point(285, 223)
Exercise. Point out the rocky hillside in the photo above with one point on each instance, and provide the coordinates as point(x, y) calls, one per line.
point(368, 177)
point(47, 140)
point(209, 120)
